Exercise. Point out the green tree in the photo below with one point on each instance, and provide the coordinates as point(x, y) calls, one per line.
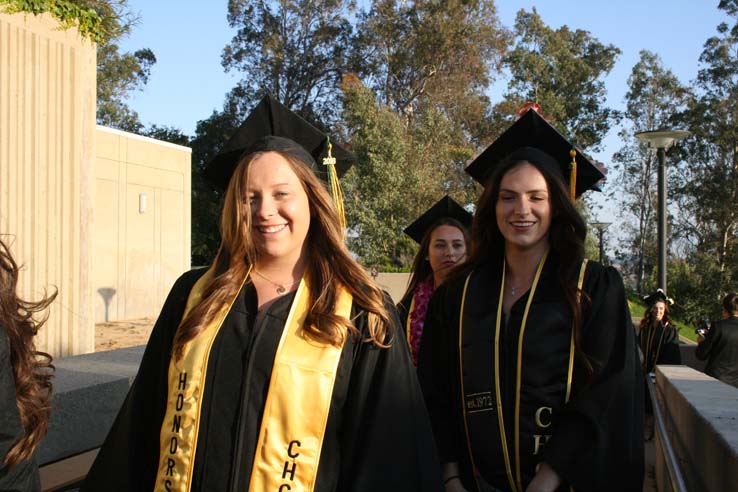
point(563, 71)
point(654, 96)
point(393, 181)
point(119, 74)
point(707, 179)
point(426, 55)
point(297, 50)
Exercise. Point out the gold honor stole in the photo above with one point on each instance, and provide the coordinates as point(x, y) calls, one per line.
point(291, 436)
point(515, 481)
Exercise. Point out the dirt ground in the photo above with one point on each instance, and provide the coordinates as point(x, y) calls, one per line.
point(122, 334)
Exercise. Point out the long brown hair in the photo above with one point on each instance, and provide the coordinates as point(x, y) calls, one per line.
point(329, 264)
point(32, 370)
point(421, 266)
point(649, 316)
point(566, 237)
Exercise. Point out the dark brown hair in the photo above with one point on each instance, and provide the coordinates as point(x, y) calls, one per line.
point(566, 237)
point(329, 264)
point(649, 316)
point(32, 370)
point(421, 266)
point(730, 304)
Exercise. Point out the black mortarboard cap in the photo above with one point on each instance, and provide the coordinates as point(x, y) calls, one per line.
point(657, 296)
point(532, 138)
point(272, 126)
point(445, 207)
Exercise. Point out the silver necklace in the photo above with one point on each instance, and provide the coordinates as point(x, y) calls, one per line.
point(281, 288)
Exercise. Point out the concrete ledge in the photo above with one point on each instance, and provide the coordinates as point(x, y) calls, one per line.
point(88, 392)
point(701, 415)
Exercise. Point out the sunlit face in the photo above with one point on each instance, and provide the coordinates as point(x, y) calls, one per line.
point(447, 248)
point(280, 211)
point(659, 309)
point(523, 208)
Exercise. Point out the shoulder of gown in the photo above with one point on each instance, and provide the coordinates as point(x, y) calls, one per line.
point(597, 439)
point(385, 423)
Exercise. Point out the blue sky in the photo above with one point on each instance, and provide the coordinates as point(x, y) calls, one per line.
point(187, 36)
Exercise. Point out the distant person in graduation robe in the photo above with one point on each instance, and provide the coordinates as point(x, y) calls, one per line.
point(282, 366)
point(443, 235)
point(657, 335)
point(719, 346)
point(25, 382)
point(528, 360)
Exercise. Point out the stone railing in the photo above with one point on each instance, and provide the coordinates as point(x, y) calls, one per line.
point(701, 419)
point(88, 392)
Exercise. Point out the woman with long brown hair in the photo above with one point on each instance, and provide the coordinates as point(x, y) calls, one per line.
point(25, 381)
point(528, 361)
point(280, 367)
point(658, 337)
point(442, 233)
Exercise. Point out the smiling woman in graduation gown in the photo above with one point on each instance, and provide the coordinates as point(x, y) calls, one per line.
point(528, 361)
point(594, 441)
point(256, 399)
point(377, 435)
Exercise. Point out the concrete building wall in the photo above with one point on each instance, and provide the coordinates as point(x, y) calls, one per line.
point(142, 223)
point(47, 126)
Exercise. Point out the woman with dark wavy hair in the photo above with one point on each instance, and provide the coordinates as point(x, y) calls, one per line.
point(658, 337)
point(25, 381)
point(281, 366)
point(528, 361)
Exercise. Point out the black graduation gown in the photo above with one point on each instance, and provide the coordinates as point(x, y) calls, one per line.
point(23, 477)
point(596, 439)
point(377, 436)
point(720, 348)
point(659, 345)
point(403, 310)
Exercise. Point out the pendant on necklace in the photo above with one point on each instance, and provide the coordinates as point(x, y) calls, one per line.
point(280, 289)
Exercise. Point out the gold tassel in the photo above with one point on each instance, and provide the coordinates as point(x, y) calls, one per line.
point(573, 176)
point(335, 188)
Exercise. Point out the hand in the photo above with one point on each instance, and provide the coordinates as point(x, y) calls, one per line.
point(455, 485)
point(451, 480)
point(700, 338)
point(545, 480)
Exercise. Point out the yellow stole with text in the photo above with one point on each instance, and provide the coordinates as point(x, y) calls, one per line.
point(291, 436)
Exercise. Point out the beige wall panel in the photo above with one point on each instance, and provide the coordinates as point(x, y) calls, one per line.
point(140, 253)
point(143, 175)
point(107, 249)
point(107, 169)
point(162, 155)
point(108, 146)
point(47, 114)
point(152, 247)
point(171, 251)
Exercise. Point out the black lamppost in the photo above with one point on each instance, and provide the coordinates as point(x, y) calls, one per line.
point(601, 226)
point(661, 140)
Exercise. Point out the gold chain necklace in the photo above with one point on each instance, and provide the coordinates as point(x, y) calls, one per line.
point(281, 288)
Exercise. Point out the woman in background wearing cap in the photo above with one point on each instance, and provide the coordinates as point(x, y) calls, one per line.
point(282, 366)
point(657, 336)
point(442, 232)
point(528, 361)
